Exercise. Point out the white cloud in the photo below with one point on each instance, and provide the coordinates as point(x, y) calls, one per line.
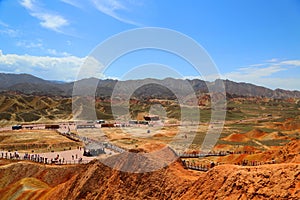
point(57, 53)
point(67, 68)
point(282, 83)
point(257, 65)
point(272, 60)
point(38, 44)
point(91, 68)
point(74, 3)
point(28, 4)
point(113, 7)
point(291, 62)
point(264, 74)
point(7, 30)
point(251, 73)
point(30, 44)
point(52, 68)
point(10, 32)
point(51, 21)
point(47, 20)
point(3, 24)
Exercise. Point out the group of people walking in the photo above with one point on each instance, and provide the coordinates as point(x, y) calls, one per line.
point(40, 158)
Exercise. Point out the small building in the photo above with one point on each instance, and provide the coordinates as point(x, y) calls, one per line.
point(143, 122)
point(93, 149)
point(16, 127)
point(28, 127)
point(132, 122)
point(100, 121)
point(51, 126)
point(83, 126)
point(107, 125)
point(151, 118)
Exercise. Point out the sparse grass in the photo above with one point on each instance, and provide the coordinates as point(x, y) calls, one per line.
point(205, 115)
point(267, 130)
point(248, 143)
point(6, 116)
point(128, 141)
point(242, 128)
point(296, 135)
point(199, 138)
point(30, 116)
point(274, 142)
point(233, 115)
point(102, 115)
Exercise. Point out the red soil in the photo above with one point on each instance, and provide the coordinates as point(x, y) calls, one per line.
point(256, 134)
point(97, 181)
point(236, 137)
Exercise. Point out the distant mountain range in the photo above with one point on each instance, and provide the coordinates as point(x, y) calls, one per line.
point(29, 84)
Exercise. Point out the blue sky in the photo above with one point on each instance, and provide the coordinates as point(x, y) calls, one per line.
point(250, 41)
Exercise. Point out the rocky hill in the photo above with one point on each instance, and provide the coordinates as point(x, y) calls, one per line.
point(29, 108)
point(9, 80)
point(26, 180)
point(28, 84)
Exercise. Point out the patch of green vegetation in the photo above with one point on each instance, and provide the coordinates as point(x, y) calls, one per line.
point(242, 128)
point(30, 116)
point(67, 107)
point(205, 115)
point(51, 117)
point(6, 116)
point(120, 110)
point(281, 119)
point(190, 114)
point(296, 135)
point(248, 143)
point(28, 98)
point(274, 142)
point(267, 130)
point(199, 138)
point(128, 141)
point(290, 113)
point(101, 115)
point(137, 108)
point(173, 111)
point(18, 118)
point(235, 115)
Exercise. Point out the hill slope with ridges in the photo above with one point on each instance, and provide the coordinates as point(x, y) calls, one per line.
point(28, 84)
point(98, 181)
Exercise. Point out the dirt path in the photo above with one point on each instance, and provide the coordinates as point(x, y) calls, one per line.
point(262, 145)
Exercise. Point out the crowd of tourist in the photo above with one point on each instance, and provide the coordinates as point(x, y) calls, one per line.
point(40, 158)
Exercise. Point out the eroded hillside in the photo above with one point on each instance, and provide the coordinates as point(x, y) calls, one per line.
point(25, 180)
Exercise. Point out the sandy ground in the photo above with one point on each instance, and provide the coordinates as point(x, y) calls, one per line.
point(148, 138)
